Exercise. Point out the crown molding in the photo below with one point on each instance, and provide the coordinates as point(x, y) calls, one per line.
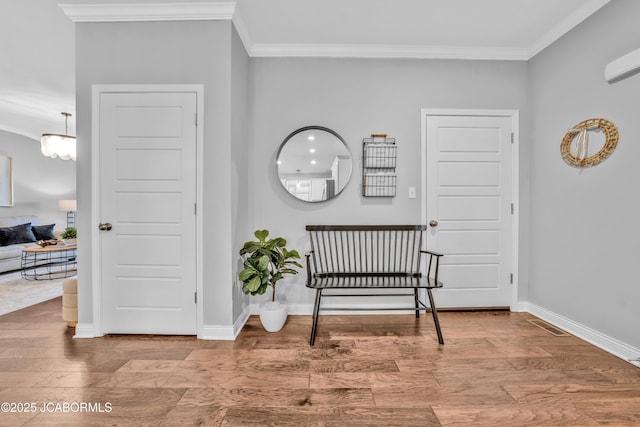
point(386, 51)
point(149, 12)
point(139, 12)
point(241, 29)
point(566, 25)
point(208, 11)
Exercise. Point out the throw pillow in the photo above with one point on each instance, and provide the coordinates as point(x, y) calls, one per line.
point(17, 234)
point(43, 232)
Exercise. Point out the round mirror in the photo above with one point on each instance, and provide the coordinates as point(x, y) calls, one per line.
point(314, 164)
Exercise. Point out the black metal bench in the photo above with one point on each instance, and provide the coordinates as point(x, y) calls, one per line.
point(371, 257)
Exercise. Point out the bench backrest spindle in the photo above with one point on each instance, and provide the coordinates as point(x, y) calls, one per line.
point(370, 249)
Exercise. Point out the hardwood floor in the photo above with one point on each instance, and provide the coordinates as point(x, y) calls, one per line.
point(495, 369)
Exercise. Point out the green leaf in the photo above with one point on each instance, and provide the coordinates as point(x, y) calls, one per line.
point(251, 263)
point(264, 251)
point(279, 242)
point(264, 278)
point(292, 254)
point(263, 262)
point(246, 274)
point(297, 264)
point(261, 235)
point(251, 247)
point(252, 285)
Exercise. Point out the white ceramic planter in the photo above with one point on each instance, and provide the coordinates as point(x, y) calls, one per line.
point(273, 314)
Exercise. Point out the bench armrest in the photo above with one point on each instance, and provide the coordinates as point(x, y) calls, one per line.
point(438, 254)
point(308, 259)
point(433, 267)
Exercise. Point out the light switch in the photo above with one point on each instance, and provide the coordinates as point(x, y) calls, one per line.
point(412, 192)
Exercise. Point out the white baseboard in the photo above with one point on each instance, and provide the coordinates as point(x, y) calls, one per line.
point(520, 307)
point(224, 332)
point(86, 330)
point(292, 309)
point(239, 324)
point(209, 332)
point(217, 332)
point(605, 342)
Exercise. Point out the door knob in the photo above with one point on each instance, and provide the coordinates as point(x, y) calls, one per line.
point(106, 226)
point(433, 223)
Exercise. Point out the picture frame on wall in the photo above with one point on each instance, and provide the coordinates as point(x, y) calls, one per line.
point(6, 181)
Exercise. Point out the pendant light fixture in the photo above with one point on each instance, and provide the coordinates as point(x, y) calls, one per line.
point(55, 145)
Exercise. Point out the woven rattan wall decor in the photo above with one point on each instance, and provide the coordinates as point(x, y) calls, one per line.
point(578, 157)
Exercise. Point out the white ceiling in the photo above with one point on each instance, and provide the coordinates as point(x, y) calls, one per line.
point(37, 39)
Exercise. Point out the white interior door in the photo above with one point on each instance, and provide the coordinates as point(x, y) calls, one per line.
point(469, 207)
point(148, 195)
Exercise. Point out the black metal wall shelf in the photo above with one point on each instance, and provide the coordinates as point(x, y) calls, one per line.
point(379, 155)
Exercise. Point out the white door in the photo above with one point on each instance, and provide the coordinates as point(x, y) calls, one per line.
point(148, 194)
point(469, 207)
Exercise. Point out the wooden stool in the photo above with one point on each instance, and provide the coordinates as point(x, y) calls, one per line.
point(70, 302)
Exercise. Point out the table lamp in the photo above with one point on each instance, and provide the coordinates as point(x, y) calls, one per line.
point(68, 206)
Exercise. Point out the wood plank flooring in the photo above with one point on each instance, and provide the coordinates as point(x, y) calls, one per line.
point(495, 369)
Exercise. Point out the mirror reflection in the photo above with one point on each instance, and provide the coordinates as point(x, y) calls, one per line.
point(314, 164)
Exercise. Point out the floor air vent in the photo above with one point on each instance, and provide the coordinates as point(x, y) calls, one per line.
point(549, 328)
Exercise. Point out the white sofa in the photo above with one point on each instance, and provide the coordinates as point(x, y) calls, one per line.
point(11, 256)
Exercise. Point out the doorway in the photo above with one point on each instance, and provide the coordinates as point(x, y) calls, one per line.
point(470, 188)
point(146, 226)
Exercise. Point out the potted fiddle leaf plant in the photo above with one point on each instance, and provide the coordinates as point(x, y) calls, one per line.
point(266, 262)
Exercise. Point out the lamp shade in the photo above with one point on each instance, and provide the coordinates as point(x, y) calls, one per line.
point(55, 145)
point(67, 205)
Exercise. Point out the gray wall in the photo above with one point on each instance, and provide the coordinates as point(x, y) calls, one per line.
point(240, 192)
point(166, 53)
point(357, 97)
point(38, 181)
point(585, 233)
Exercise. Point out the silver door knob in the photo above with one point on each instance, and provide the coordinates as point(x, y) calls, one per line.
point(433, 223)
point(104, 226)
